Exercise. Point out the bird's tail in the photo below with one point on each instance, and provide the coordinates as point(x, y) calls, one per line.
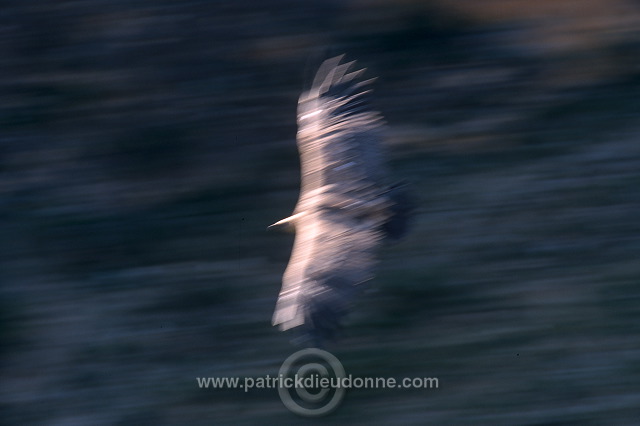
point(402, 211)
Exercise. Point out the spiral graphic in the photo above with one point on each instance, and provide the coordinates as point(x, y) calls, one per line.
point(302, 372)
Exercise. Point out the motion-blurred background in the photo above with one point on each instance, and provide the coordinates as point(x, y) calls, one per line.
point(146, 145)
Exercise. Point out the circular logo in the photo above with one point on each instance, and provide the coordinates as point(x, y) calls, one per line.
point(311, 382)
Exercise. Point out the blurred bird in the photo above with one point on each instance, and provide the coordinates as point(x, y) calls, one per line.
point(345, 209)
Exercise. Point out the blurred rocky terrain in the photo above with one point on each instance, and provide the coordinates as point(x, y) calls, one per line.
point(146, 145)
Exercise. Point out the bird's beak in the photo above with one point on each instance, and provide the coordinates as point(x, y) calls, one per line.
point(286, 220)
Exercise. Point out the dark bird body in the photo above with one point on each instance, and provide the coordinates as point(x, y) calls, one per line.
point(346, 208)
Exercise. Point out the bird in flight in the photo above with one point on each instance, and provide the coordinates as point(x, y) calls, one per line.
point(346, 208)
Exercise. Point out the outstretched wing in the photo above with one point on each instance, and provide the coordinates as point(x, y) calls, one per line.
point(338, 135)
point(343, 202)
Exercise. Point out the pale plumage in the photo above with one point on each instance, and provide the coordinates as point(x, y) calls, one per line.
point(345, 209)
